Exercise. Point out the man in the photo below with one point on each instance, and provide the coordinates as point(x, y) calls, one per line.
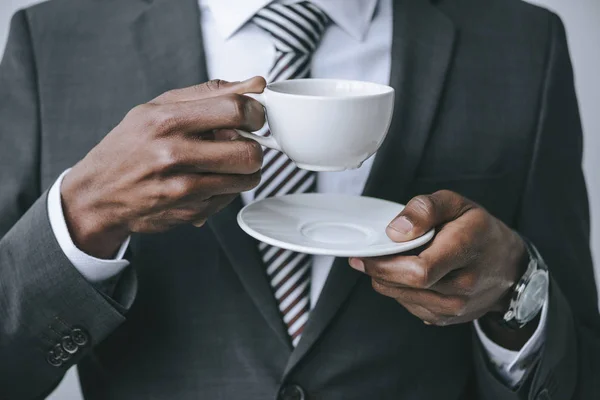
point(120, 250)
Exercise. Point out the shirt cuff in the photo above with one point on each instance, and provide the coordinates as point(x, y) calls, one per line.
point(93, 269)
point(513, 365)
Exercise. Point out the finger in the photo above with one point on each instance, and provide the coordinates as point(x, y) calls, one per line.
point(213, 206)
point(201, 187)
point(454, 248)
point(430, 318)
point(196, 210)
point(210, 89)
point(200, 223)
point(225, 134)
point(437, 304)
point(218, 134)
point(239, 156)
point(421, 272)
point(228, 111)
point(221, 184)
point(459, 282)
point(219, 202)
point(458, 245)
point(421, 313)
point(425, 212)
point(385, 288)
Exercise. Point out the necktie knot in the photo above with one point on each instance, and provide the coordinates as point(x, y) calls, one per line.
point(296, 28)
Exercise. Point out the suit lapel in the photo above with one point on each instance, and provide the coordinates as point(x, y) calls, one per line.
point(242, 252)
point(176, 60)
point(422, 48)
point(168, 41)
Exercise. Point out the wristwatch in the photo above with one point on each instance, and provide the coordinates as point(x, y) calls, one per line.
point(529, 293)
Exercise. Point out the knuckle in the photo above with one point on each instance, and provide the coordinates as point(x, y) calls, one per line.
point(238, 104)
point(379, 269)
point(457, 306)
point(167, 96)
point(179, 188)
point(435, 319)
point(464, 247)
point(445, 193)
point(181, 215)
point(255, 179)
point(252, 155)
point(377, 286)
point(252, 180)
point(442, 320)
point(140, 112)
point(214, 84)
point(165, 158)
point(162, 119)
point(467, 283)
point(456, 202)
point(463, 238)
point(480, 217)
point(189, 215)
point(422, 204)
point(420, 276)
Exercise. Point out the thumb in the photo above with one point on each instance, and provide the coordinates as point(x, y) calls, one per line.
point(422, 213)
point(213, 88)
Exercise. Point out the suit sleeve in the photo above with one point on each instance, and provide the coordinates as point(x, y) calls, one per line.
point(554, 215)
point(50, 316)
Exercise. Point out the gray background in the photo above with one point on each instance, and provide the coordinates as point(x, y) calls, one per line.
point(582, 20)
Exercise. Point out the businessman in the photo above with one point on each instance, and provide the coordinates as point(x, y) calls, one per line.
point(122, 175)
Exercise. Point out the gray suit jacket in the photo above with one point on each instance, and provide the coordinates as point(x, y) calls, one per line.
point(485, 107)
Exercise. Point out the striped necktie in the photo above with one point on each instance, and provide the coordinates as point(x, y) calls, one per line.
point(296, 30)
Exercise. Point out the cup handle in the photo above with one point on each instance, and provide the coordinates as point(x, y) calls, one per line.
point(267, 141)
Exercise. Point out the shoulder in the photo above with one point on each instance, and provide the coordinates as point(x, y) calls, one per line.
point(63, 31)
point(513, 34)
point(505, 19)
point(56, 16)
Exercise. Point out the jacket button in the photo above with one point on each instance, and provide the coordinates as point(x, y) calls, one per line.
point(291, 392)
point(80, 337)
point(543, 395)
point(60, 353)
point(69, 345)
point(52, 360)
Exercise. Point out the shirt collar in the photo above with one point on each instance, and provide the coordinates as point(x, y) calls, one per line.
point(353, 16)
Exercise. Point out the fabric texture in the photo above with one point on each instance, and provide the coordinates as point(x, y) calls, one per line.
point(487, 109)
point(236, 61)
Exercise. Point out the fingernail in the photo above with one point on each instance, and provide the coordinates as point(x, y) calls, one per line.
point(402, 225)
point(427, 323)
point(357, 263)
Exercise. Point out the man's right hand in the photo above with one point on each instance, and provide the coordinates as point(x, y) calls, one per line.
point(171, 161)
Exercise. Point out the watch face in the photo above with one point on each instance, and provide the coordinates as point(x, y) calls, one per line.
point(532, 298)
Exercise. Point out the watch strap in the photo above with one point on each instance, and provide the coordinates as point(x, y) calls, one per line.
point(534, 263)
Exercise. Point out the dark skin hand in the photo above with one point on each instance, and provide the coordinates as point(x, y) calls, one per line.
point(467, 271)
point(175, 160)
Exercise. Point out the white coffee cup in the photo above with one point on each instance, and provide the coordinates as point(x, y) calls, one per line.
point(325, 124)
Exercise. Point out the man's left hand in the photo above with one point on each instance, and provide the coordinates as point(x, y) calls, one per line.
point(466, 271)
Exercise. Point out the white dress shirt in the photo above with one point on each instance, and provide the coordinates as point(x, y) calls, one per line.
point(357, 45)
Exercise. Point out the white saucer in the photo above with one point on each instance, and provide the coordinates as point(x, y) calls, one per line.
point(326, 224)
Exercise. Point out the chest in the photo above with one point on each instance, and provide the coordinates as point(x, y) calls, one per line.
point(478, 143)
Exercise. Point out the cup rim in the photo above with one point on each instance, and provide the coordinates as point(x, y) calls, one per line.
point(386, 90)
